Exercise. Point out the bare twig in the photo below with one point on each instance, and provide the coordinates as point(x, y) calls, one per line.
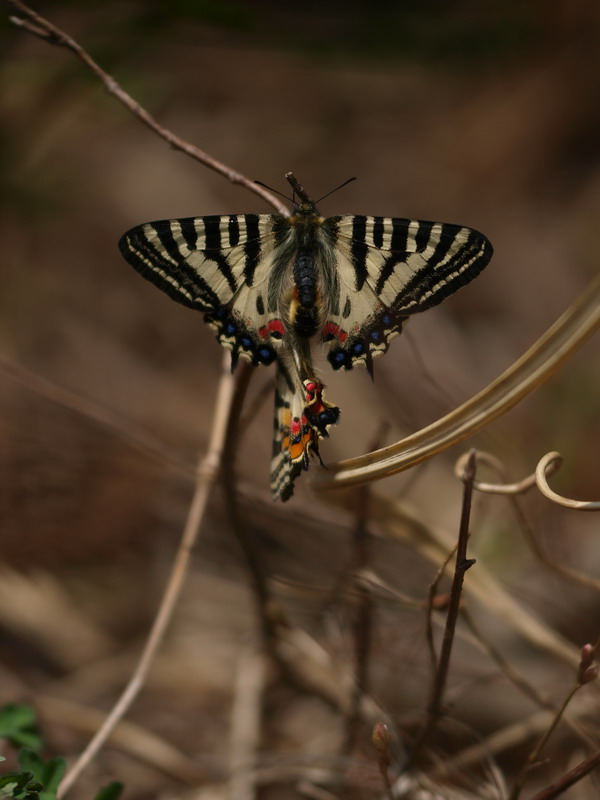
point(568, 779)
point(518, 679)
point(39, 26)
point(207, 474)
point(512, 490)
point(130, 737)
point(586, 673)
point(246, 718)
point(429, 608)
point(462, 564)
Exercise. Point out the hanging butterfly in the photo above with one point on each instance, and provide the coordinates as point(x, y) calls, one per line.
point(273, 287)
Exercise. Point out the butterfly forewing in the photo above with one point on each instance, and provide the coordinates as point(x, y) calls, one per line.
point(390, 268)
point(221, 265)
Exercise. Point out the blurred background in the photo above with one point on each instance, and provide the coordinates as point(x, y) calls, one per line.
point(481, 114)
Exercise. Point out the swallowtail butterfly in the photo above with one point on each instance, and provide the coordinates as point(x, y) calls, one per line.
point(273, 287)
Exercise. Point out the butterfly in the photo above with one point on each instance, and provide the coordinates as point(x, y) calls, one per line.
point(273, 288)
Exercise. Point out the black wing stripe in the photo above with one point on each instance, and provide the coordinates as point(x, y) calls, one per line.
point(172, 275)
point(378, 231)
point(165, 236)
point(212, 233)
point(359, 250)
point(387, 269)
point(252, 247)
point(222, 263)
point(423, 235)
point(428, 287)
point(189, 231)
point(398, 243)
point(233, 230)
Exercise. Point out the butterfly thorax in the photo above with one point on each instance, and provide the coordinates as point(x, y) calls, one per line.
point(304, 311)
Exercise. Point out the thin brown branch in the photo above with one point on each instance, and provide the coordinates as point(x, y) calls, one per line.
point(512, 490)
point(586, 673)
point(429, 608)
point(569, 778)
point(39, 26)
point(208, 470)
point(518, 679)
point(246, 717)
point(462, 564)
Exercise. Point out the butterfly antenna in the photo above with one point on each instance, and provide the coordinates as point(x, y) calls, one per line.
point(275, 191)
point(341, 186)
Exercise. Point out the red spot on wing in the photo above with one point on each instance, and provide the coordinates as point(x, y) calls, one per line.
point(333, 331)
point(274, 327)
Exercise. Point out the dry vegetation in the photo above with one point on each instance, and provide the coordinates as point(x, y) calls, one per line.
point(300, 625)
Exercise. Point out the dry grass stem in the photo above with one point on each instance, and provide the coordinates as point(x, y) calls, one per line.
point(519, 680)
point(538, 364)
point(39, 26)
point(570, 778)
point(246, 718)
point(549, 460)
point(397, 521)
point(514, 735)
point(208, 470)
point(439, 678)
point(129, 737)
point(520, 487)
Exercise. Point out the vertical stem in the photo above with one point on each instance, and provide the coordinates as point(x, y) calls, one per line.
point(207, 474)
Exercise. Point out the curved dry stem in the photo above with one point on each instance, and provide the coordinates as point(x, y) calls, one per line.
point(520, 487)
point(208, 470)
point(545, 464)
point(46, 30)
point(512, 490)
point(541, 361)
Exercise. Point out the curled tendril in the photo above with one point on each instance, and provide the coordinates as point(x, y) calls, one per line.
point(547, 466)
point(549, 461)
point(482, 457)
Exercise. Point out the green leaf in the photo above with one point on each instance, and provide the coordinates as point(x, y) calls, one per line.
point(110, 792)
point(18, 724)
point(16, 781)
point(49, 773)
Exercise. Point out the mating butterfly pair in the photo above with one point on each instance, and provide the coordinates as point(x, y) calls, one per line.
point(273, 287)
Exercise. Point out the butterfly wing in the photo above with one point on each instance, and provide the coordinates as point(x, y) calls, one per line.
point(221, 265)
point(302, 417)
point(390, 268)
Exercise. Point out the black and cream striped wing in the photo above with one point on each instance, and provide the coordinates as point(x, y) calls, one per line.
point(390, 268)
point(221, 265)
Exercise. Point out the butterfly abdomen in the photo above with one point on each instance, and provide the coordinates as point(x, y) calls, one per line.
point(304, 308)
point(305, 279)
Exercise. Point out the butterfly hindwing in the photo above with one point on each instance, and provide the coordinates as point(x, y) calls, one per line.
point(302, 417)
point(390, 268)
point(221, 265)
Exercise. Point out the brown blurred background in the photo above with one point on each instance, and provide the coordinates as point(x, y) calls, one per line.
point(485, 114)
